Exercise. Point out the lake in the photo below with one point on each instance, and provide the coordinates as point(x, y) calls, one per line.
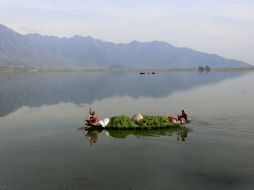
point(42, 148)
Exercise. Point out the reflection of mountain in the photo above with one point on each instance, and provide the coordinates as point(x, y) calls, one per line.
point(51, 88)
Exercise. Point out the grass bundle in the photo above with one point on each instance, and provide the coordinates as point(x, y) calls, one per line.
point(149, 122)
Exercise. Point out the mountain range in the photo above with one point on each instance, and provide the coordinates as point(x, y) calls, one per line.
point(50, 51)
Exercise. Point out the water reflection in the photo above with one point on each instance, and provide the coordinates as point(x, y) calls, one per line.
point(35, 90)
point(93, 136)
point(181, 133)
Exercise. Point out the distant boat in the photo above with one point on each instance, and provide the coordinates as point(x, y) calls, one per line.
point(143, 73)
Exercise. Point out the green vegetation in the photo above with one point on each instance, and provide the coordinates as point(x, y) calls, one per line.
point(149, 122)
point(122, 122)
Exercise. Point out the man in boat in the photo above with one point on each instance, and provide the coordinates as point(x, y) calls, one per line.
point(183, 118)
point(94, 119)
point(180, 118)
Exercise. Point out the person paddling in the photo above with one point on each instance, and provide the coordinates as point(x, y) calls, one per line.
point(180, 118)
point(183, 118)
point(93, 120)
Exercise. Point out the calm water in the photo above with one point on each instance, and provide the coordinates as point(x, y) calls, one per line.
point(42, 148)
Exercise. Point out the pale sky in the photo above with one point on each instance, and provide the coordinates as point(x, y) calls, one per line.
point(223, 27)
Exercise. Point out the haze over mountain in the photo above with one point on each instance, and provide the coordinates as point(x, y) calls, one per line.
point(50, 51)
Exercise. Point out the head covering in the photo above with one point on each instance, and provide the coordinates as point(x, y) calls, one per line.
point(137, 117)
point(184, 111)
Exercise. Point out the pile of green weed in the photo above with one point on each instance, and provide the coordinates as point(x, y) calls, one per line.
point(152, 122)
point(149, 122)
point(121, 122)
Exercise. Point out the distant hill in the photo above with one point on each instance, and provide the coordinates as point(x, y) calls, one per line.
point(50, 51)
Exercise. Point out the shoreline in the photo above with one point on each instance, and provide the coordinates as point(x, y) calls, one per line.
point(64, 70)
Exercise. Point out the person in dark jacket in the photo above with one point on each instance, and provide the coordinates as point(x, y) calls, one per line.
point(183, 118)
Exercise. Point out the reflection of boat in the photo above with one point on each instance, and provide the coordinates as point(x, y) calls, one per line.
point(182, 131)
point(143, 133)
point(93, 135)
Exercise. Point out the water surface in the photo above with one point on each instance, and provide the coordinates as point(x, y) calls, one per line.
point(42, 148)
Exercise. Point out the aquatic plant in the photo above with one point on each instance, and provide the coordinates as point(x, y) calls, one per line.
point(149, 122)
point(121, 122)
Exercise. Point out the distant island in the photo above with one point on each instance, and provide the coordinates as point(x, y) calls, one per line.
point(36, 52)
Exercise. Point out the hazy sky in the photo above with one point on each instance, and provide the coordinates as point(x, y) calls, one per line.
point(224, 27)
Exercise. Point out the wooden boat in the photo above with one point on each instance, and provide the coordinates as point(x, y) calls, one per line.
point(126, 123)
